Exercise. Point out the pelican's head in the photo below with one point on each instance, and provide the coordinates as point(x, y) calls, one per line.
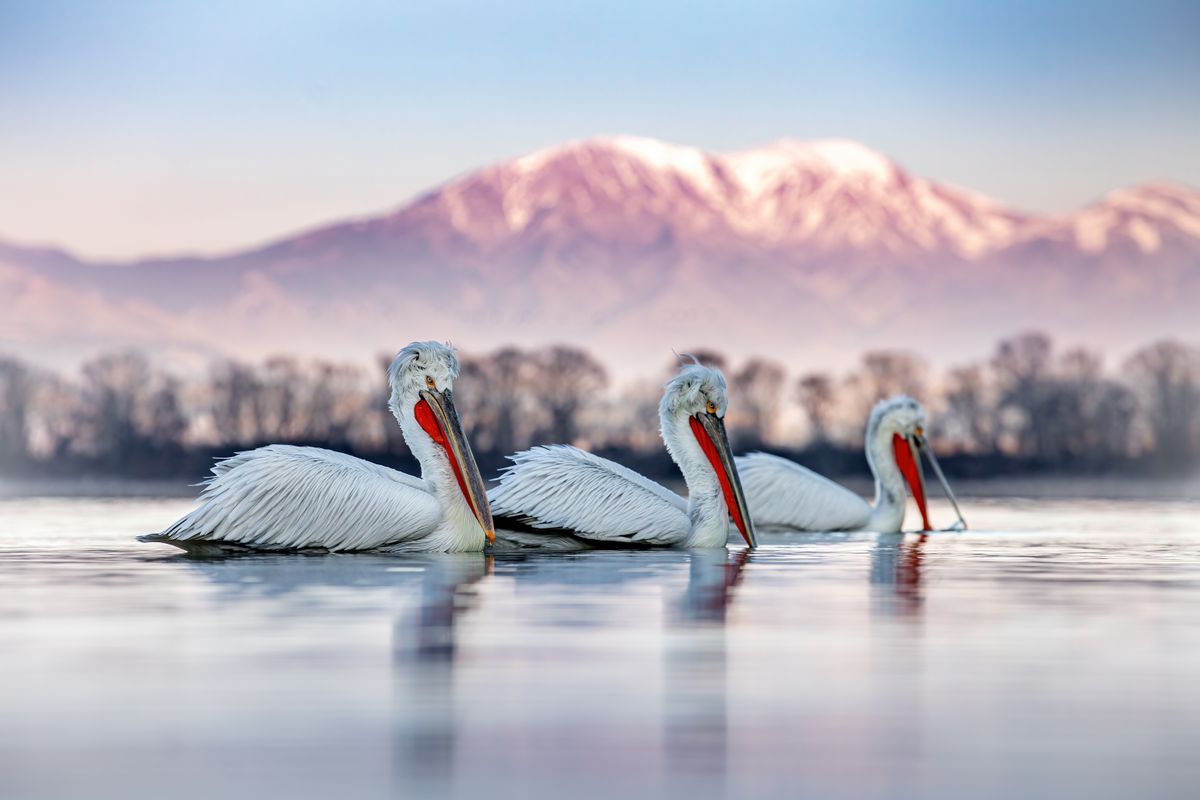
point(421, 378)
point(698, 395)
point(902, 420)
point(900, 414)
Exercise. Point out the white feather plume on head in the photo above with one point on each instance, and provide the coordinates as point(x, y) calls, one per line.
point(897, 414)
point(691, 390)
point(406, 375)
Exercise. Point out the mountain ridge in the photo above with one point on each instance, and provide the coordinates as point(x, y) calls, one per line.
point(626, 244)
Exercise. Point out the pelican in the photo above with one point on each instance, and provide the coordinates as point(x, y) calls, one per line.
point(282, 497)
point(564, 491)
point(786, 494)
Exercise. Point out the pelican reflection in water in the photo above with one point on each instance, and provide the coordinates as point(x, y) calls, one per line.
point(427, 659)
point(897, 563)
point(695, 675)
point(433, 701)
point(424, 656)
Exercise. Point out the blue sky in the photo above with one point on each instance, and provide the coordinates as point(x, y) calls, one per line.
point(139, 127)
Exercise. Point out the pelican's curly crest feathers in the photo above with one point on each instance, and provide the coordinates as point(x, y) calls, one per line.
point(423, 354)
point(694, 381)
point(419, 357)
point(892, 405)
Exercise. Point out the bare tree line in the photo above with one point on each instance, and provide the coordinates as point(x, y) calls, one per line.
point(1026, 402)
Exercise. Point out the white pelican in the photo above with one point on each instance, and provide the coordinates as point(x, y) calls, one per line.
point(786, 494)
point(565, 491)
point(281, 497)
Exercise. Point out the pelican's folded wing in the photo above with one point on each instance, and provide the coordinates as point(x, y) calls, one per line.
point(564, 488)
point(282, 497)
point(783, 493)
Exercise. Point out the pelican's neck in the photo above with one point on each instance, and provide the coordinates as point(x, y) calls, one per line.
point(435, 466)
point(707, 512)
point(458, 529)
point(887, 512)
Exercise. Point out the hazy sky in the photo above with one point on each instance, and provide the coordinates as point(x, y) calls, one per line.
point(137, 127)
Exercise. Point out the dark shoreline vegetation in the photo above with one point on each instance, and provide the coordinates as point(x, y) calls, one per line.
point(1027, 409)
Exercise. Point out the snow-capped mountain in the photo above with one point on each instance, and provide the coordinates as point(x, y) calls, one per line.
point(1147, 218)
point(839, 195)
point(807, 251)
point(635, 193)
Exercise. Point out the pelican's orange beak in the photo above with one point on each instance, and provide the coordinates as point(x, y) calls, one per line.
point(910, 467)
point(437, 416)
point(709, 430)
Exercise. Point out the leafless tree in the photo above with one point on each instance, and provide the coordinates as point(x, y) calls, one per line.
point(16, 396)
point(1065, 408)
point(817, 394)
point(1112, 422)
point(165, 423)
point(113, 389)
point(891, 372)
point(883, 374)
point(511, 374)
point(234, 404)
point(969, 417)
point(130, 408)
point(754, 406)
point(567, 379)
point(277, 391)
point(54, 418)
point(495, 399)
point(471, 397)
point(1021, 368)
point(1167, 375)
point(635, 418)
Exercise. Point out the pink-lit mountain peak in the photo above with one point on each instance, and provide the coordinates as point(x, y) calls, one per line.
point(722, 178)
point(1145, 218)
point(762, 167)
point(1162, 199)
point(617, 190)
point(822, 195)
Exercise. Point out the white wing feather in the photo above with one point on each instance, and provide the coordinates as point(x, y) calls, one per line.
point(285, 497)
point(783, 493)
point(563, 487)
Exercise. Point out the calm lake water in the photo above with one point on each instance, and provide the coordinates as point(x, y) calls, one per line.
point(1053, 651)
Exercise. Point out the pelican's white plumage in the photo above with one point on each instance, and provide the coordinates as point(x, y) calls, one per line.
point(330, 500)
point(282, 497)
point(561, 488)
point(783, 493)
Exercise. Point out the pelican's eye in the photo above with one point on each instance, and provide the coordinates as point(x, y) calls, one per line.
point(430, 382)
point(711, 407)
